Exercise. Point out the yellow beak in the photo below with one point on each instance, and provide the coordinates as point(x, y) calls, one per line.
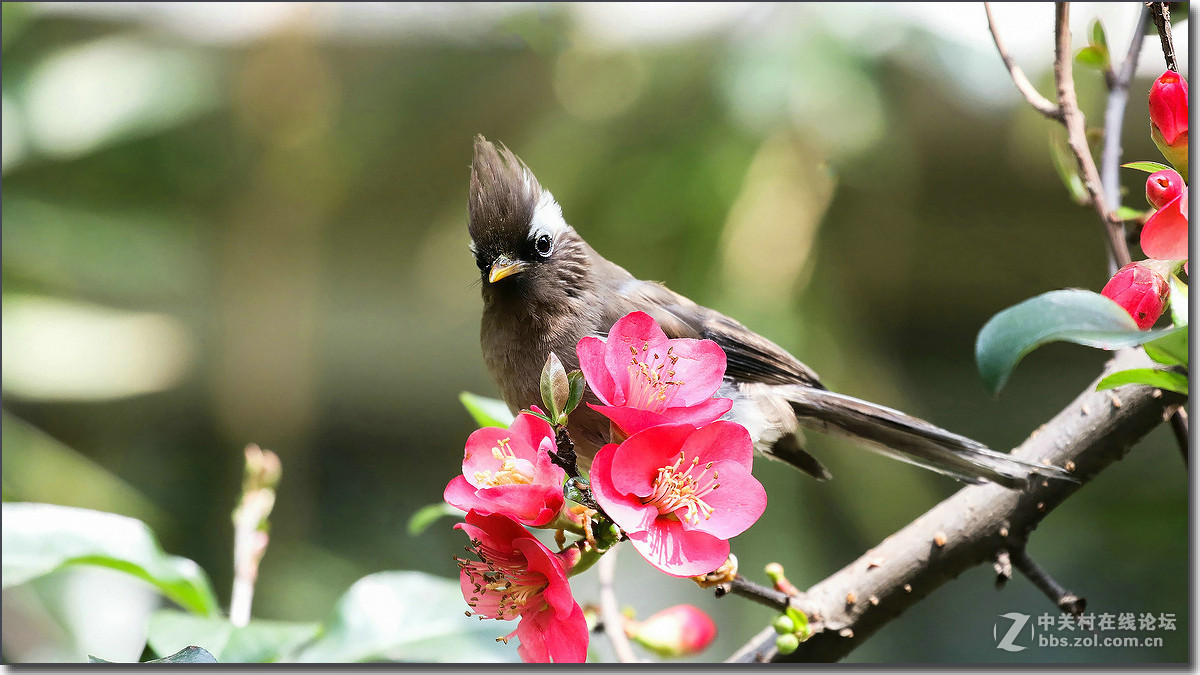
point(503, 267)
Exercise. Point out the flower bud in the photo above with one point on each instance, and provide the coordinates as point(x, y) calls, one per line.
point(786, 644)
point(555, 387)
point(1162, 187)
point(682, 630)
point(783, 624)
point(1140, 291)
point(1169, 118)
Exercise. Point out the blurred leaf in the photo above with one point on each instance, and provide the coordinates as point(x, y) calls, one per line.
point(13, 21)
point(1071, 315)
point(406, 616)
point(1098, 38)
point(42, 538)
point(428, 515)
point(1064, 164)
point(1126, 213)
point(1171, 350)
point(1179, 301)
point(1148, 167)
point(487, 412)
point(258, 642)
point(1094, 57)
point(1154, 377)
point(186, 655)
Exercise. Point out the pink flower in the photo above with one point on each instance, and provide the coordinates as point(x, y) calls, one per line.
point(516, 576)
point(1165, 234)
point(680, 493)
point(1169, 118)
point(645, 379)
point(508, 471)
point(1140, 291)
point(1163, 186)
point(682, 630)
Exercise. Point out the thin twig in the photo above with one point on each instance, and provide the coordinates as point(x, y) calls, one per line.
point(763, 595)
point(1035, 99)
point(1179, 424)
point(610, 613)
point(1162, 21)
point(1073, 120)
point(1062, 598)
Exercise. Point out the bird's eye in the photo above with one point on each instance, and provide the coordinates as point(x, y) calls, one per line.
point(481, 263)
point(543, 244)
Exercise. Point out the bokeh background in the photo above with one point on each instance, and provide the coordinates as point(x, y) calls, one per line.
point(236, 223)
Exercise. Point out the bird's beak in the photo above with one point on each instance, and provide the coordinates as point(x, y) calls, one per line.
point(504, 267)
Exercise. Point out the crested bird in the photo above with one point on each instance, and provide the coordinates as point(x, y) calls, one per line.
point(544, 288)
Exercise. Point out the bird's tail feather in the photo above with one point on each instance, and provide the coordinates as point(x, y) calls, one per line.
point(910, 439)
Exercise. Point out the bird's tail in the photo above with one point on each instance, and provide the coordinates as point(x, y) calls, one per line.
point(910, 439)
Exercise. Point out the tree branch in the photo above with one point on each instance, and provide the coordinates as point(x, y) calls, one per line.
point(1162, 21)
point(1035, 99)
point(1058, 594)
point(974, 524)
point(610, 612)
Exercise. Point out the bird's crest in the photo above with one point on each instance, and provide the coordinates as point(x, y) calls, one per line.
point(504, 193)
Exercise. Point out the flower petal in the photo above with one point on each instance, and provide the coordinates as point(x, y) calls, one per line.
point(591, 361)
point(636, 331)
point(737, 504)
point(699, 367)
point(1165, 235)
point(636, 462)
point(722, 440)
point(626, 511)
point(533, 434)
point(677, 551)
point(631, 420)
point(546, 638)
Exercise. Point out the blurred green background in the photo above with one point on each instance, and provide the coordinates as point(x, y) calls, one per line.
point(236, 223)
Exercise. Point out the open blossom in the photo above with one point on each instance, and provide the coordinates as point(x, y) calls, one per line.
point(516, 576)
point(1169, 118)
point(508, 471)
point(682, 630)
point(645, 379)
point(680, 493)
point(1140, 291)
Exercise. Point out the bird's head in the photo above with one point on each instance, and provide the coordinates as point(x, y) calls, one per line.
point(522, 245)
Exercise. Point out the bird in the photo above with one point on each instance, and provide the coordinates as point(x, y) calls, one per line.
point(544, 288)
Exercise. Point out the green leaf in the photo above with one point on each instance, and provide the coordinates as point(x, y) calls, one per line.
point(1127, 213)
point(406, 616)
point(578, 387)
point(1098, 38)
point(186, 655)
point(1179, 301)
point(487, 412)
point(1171, 350)
point(1064, 164)
point(257, 642)
point(42, 538)
point(1154, 377)
point(1094, 57)
point(1148, 167)
point(428, 515)
point(1071, 315)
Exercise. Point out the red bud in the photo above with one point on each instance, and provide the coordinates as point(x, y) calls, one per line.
point(1140, 291)
point(1162, 187)
point(1169, 106)
point(682, 630)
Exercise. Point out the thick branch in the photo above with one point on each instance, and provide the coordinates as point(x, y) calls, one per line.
point(1162, 21)
point(1035, 99)
point(974, 524)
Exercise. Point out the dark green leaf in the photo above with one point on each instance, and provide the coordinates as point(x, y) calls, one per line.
point(191, 654)
point(257, 642)
point(1098, 37)
point(1148, 167)
point(1171, 350)
point(42, 538)
point(1094, 57)
point(428, 515)
point(1064, 164)
point(578, 387)
point(406, 616)
point(1072, 315)
point(487, 412)
point(1154, 377)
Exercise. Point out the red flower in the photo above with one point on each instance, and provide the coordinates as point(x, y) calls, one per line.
point(680, 493)
point(1169, 118)
point(516, 576)
point(1165, 234)
point(1163, 186)
point(682, 630)
point(1140, 291)
point(645, 379)
point(1169, 106)
point(508, 471)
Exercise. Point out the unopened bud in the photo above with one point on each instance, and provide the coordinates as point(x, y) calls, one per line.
point(1162, 187)
point(1169, 118)
point(682, 630)
point(1140, 291)
point(783, 624)
point(786, 644)
point(555, 386)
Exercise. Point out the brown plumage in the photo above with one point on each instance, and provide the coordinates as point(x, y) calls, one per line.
point(544, 289)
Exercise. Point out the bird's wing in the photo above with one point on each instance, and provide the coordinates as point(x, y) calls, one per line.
point(750, 356)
